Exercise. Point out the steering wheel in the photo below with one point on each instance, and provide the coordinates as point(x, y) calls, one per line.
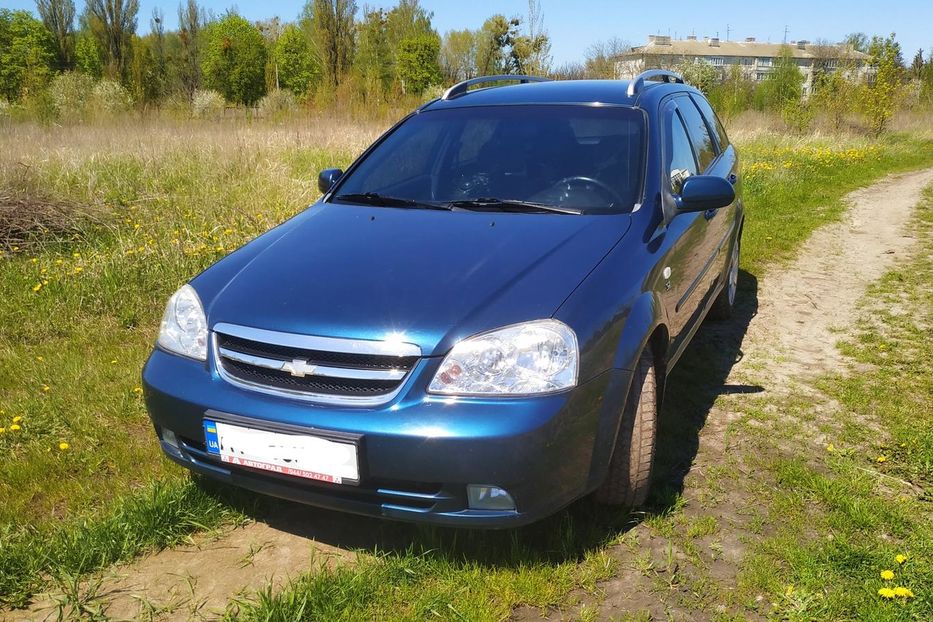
point(579, 179)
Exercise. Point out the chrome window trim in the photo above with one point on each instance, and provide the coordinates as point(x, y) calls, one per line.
point(319, 370)
point(314, 342)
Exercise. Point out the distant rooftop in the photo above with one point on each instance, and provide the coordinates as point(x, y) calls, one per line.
point(713, 46)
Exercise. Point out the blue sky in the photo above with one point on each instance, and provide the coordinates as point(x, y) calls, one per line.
point(574, 25)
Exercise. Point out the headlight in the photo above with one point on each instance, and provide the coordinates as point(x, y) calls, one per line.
point(523, 359)
point(184, 327)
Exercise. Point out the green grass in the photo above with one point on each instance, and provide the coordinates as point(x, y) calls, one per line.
point(80, 314)
point(861, 513)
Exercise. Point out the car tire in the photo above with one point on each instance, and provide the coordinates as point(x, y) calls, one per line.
point(629, 478)
point(725, 302)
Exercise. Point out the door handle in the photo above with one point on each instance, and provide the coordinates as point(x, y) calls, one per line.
point(710, 214)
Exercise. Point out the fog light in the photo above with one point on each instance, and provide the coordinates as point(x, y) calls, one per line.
point(489, 498)
point(169, 437)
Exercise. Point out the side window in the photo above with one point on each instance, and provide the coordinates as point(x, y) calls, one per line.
point(681, 164)
point(699, 134)
point(410, 158)
point(712, 120)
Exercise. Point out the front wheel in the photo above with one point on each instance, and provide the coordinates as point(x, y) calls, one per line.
point(629, 477)
point(725, 301)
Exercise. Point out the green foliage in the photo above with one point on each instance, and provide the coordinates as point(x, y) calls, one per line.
point(784, 85)
point(417, 63)
point(277, 104)
point(492, 44)
point(833, 94)
point(27, 54)
point(58, 17)
point(88, 57)
point(458, 55)
point(331, 26)
point(71, 95)
point(113, 22)
point(878, 98)
point(207, 104)
point(699, 74)
point(234, 59)
point(734, 94)
point(298, 66)
point(373, 59)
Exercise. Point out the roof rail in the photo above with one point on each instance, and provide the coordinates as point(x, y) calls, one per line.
point(636, 85)
point(461, 87)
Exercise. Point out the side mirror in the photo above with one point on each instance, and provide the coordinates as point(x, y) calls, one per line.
point(327, 178)
point(705, 192)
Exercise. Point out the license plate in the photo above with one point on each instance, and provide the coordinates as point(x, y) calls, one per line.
point(297, 455)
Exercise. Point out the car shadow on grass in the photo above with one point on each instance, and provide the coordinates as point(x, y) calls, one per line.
point(692, 389)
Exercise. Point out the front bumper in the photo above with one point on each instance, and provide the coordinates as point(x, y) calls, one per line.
point(418, 452)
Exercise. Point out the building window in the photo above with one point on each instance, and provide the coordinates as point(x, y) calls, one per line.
point(765, 61)
point(760, 76)
point(717, 60)
point(747, 61)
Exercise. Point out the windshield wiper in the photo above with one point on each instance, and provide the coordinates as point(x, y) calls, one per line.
point(381, 200)
point(514, 205)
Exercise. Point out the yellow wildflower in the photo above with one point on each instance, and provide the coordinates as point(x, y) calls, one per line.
point(903, 592)
point(887, 575)
point(830, 448)
point(40, 358)
point(37, 287)
point(113, 362)
point(138, 390)
point(45, 388)
point(59, 262)
point(76, 255)
point(63, 446)
point(15, 428)
point(2, 430)
point(881, 459)
point(789, 590)
point(900, 558)
point(17, 419)
point(79, 270)
point(34, 260)
point(886, 592)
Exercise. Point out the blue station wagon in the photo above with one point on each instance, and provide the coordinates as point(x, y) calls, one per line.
point(474, 324)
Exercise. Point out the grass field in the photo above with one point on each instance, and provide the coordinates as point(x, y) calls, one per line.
point(123, 214)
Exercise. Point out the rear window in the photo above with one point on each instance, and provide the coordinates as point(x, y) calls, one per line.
point(570, 156)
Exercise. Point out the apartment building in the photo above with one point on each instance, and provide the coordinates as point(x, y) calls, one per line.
point(755, 59)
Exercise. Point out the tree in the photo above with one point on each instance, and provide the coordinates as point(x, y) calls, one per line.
point(858, 41)
point(88, 57)
point(458, 55)
point(531, 51)
point(600, 62)
point(880, 95)
point(234, 59)
point(114, 23)
point(408, 20)
point(297, 65)
point(417, 63)
point(493, 44)
point(27, 54)
point(191, 20)
point(373, 59)
point(916, 67)
point(331, 24)
point(700, 74)
point(59, 18)
point(784, 85)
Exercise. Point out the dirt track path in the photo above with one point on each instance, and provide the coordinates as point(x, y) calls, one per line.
point(791, 335)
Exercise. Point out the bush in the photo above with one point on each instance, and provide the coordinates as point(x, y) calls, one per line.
point(277, 103)
point(109, 98)
point(207, 104)
point(234, 59)
point(71, 95)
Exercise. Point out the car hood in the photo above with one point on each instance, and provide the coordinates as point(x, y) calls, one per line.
point(427, 277)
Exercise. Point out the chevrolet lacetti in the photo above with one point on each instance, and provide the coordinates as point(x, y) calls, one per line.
point(474, 323)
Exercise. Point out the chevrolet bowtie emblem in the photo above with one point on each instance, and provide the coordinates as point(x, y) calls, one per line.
point(298, 368)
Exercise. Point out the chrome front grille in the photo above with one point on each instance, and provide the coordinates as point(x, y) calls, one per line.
point(322, 369)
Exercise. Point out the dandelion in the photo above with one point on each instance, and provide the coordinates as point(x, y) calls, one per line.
point(887, 575)
point(881, 459)
point(138, 390)
point(59, 262)
point(900, 558)
point(45, 388)
point(113, 361)
point(15, 428)
point(63, 446)
point(34, 260)
point(76, 255)
point(17, 419)
point(903, 592)
point(886, 592)
point(2, 431)
point(830, 448)
point(79, 270)
point(37, 287)
point(40, 358)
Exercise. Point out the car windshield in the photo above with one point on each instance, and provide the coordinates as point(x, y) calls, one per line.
point(507, 157)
